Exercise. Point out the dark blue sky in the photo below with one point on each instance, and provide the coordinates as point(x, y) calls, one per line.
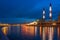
point(27, 9)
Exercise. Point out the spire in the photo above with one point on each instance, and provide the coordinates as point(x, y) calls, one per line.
point(50, 11)
point(43, 13)
point(50, 4)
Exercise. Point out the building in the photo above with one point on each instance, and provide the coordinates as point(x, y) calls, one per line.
point(47, 28)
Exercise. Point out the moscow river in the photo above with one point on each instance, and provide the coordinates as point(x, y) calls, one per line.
point(31, 33)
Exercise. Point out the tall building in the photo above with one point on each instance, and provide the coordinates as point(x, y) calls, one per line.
point(50, 12)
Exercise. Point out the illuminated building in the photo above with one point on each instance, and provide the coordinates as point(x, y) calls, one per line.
point(47, 28)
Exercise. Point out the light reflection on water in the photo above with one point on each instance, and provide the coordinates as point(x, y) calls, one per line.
point(44, 32)
point(50, 33)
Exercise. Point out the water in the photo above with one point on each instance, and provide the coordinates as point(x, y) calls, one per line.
point(29, 33)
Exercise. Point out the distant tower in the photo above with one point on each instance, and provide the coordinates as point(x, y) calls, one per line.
point(43, 14)
point(43, 27)
point(50, 12)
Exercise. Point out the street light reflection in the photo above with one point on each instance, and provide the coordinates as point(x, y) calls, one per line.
point(5, 30)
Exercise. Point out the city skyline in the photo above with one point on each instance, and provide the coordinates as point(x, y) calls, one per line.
point(29, 19)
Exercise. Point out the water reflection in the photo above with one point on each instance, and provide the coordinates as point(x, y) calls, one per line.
point(50, 33)
point(4, 30)
point(27, 30)
point(46, 33)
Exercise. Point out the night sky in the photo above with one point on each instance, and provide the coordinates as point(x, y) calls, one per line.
point(19, 11)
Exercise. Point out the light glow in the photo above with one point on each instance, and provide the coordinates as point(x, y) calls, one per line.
point(32, 23)
point(50, 8)
point(5, 30)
